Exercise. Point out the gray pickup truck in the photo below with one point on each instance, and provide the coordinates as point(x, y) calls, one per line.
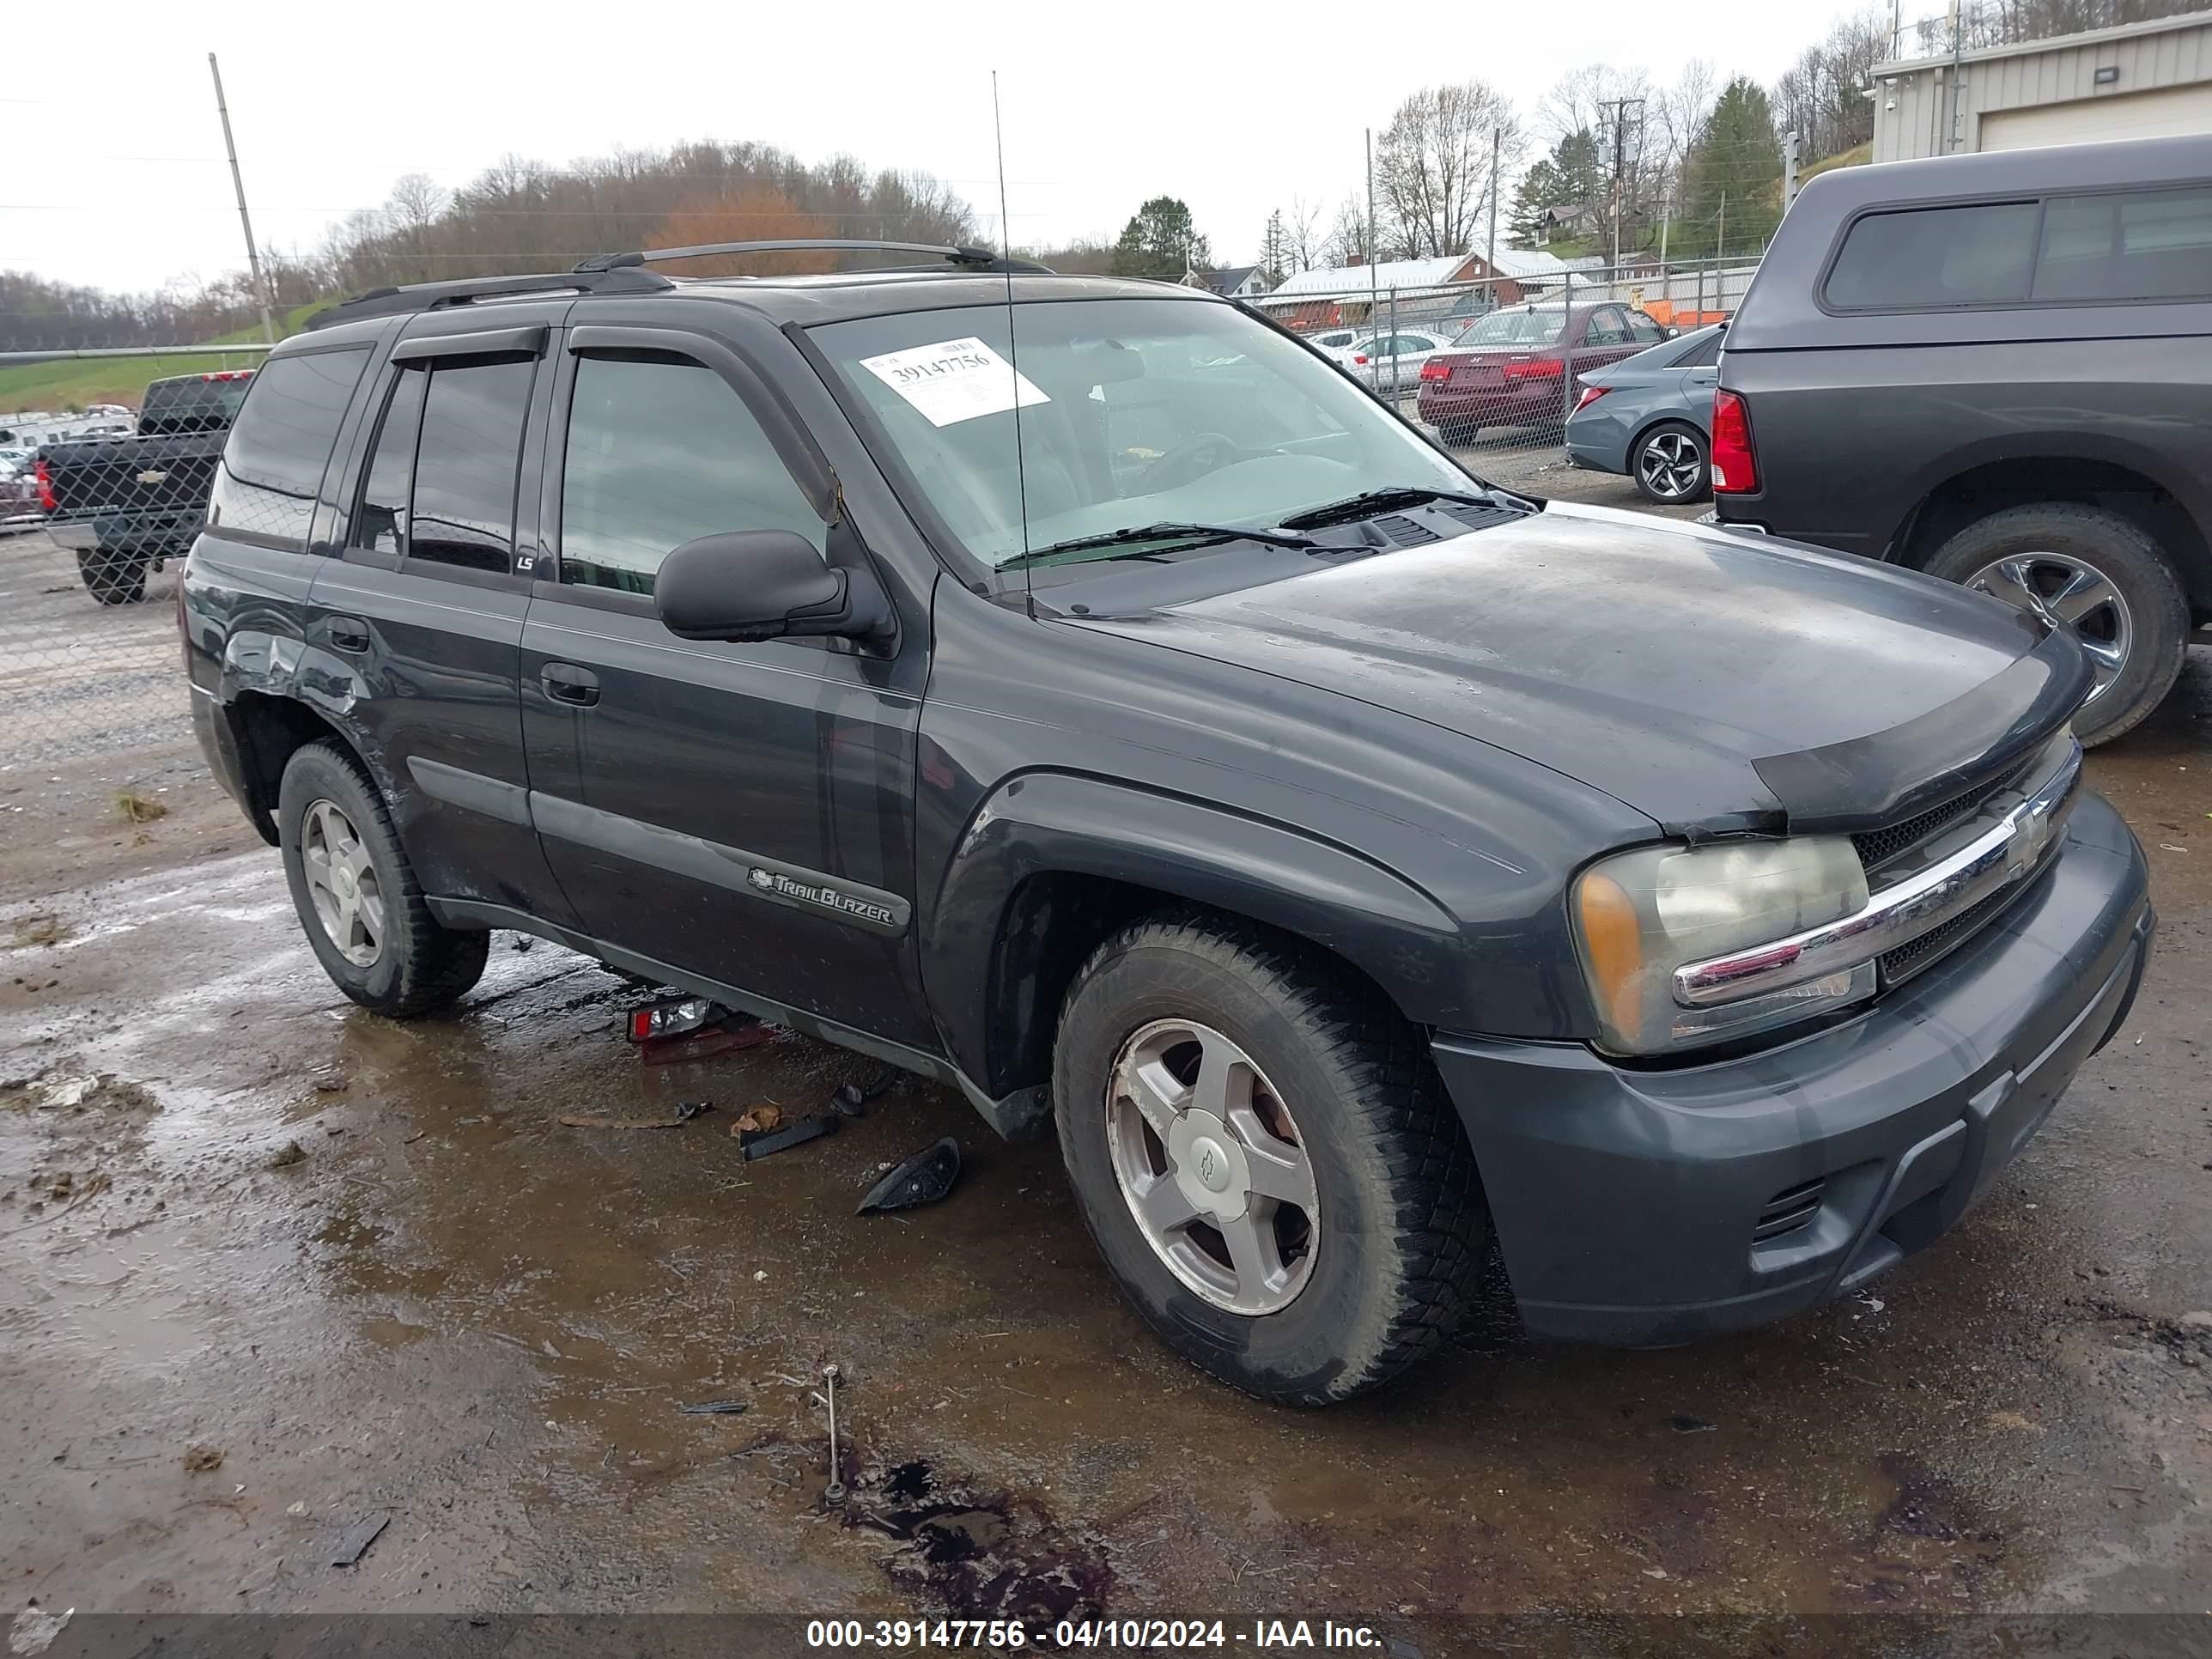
point(1075, 690)
point(125, 505)
point(1997, 369)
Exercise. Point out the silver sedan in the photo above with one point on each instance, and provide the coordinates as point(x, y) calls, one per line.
point(1650, 416)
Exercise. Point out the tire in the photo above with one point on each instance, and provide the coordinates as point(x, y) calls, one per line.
point(1398, 1231)
point(2135, 634)
point(1459, 435)
point(1679, 455)
point(112, 575)
point(415, 966)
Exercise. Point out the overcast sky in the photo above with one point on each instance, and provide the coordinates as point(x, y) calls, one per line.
point(119, 179)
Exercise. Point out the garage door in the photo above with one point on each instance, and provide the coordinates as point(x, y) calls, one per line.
point(2169, 112)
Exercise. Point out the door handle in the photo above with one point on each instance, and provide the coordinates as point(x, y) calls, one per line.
point(566, 683)
point(347, 634)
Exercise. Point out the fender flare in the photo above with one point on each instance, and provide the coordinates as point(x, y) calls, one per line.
point(1939, 473)
point(1069, 823)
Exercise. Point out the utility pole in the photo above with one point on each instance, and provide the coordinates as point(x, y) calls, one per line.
point(1720, 236)
point(1619, 108)
point(1490, 259)
point(1373, 357)
point(238, 183)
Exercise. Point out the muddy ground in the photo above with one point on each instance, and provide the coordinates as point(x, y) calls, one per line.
point(447, 1311)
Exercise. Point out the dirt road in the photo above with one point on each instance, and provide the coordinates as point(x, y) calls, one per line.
point(447, 1311)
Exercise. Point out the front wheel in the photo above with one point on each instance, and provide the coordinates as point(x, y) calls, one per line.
point(1264, 1156)
point(113, 575)
point(358, 900)
point(1669, 464)
point(2095, 575)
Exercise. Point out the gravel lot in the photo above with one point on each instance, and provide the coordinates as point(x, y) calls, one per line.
point(449, 1309)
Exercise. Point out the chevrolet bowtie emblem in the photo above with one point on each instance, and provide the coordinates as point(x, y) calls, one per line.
point(151, 478)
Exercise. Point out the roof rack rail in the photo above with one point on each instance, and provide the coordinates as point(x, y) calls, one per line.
point(977, 258)
point(474, 290)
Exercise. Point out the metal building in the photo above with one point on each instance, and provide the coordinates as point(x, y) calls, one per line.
point(2137, 80)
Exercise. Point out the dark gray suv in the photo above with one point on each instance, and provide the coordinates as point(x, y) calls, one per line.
point(1997, 369)
point(1078, 691)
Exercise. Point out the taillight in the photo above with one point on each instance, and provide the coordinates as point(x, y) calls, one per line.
point(1541, 369)
point(45, 486)
point(1436, 371)
point(1590, 395)
point(1360, 357)
point(1734, 465)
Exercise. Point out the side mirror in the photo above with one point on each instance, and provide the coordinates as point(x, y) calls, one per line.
point(750, 585)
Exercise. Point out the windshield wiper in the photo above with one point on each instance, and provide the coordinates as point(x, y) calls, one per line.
point(1162, 533)
point(1378, 501)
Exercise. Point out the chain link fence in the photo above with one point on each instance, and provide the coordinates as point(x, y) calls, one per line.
point(1496, 362)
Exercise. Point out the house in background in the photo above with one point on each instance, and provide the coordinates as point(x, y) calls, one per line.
point(1411, 291)
point(1231, 282)
point(2151, 80)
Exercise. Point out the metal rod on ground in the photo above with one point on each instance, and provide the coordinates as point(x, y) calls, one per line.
point(835, 1489)
point(238, 183)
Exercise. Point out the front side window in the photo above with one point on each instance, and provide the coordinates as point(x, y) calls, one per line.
point(273, 462)
point(1085, 417)
point(2134, 245)
point(1977, 254)
point(661, 450)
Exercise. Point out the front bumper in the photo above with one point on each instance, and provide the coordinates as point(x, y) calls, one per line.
point(1625, 1201)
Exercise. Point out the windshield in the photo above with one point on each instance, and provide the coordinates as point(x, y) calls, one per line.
point(1527, 325)
point(1132, 413)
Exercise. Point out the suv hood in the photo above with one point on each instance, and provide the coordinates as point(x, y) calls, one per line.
point(1714, 681)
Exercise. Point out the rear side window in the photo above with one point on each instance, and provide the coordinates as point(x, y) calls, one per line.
point(272, 466)
point(465, 463)
point(1703, 354)
point(2135, 245)
point(1980, 254)
point(662, 452)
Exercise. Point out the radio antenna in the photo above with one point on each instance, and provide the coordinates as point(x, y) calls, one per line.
point(1013, 353)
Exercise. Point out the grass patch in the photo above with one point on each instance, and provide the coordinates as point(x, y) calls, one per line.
point(78, 383)
point(138, 808)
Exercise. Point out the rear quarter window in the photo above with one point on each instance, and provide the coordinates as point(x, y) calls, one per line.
point(2126, 245)
point(272, 466)
point(1978, 253)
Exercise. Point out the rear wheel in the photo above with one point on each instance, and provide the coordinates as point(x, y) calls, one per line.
point(2099, 577)
point(1459, 435)
point(1670, 466)
point(359, 902)
point(1265, 1158)
point(113, 575)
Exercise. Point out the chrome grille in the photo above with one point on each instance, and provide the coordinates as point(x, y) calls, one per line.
point(1877, 848)
point(1931, 946)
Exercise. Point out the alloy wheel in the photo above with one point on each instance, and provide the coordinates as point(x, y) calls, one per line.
point(2068, 593)
point(1668, 463)
point(1213, 1167)
point(341, 883)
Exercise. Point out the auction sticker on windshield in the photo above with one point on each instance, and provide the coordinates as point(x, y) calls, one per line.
point(954, 380)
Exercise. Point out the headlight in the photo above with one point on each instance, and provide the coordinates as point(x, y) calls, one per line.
point(1640, 915)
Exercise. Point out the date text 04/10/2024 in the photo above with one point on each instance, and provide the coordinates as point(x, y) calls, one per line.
point(1263, 1634)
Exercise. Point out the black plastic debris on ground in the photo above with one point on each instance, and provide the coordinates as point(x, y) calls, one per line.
point(765, 1143)
point(716, 1408)
point(979, 1555)
point(924, 1178)
point(851, 1099)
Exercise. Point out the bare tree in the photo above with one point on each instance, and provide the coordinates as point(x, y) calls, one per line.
point(1432, 166)
point(1302, 226)
point(1348, 240)
point(1822, 96)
